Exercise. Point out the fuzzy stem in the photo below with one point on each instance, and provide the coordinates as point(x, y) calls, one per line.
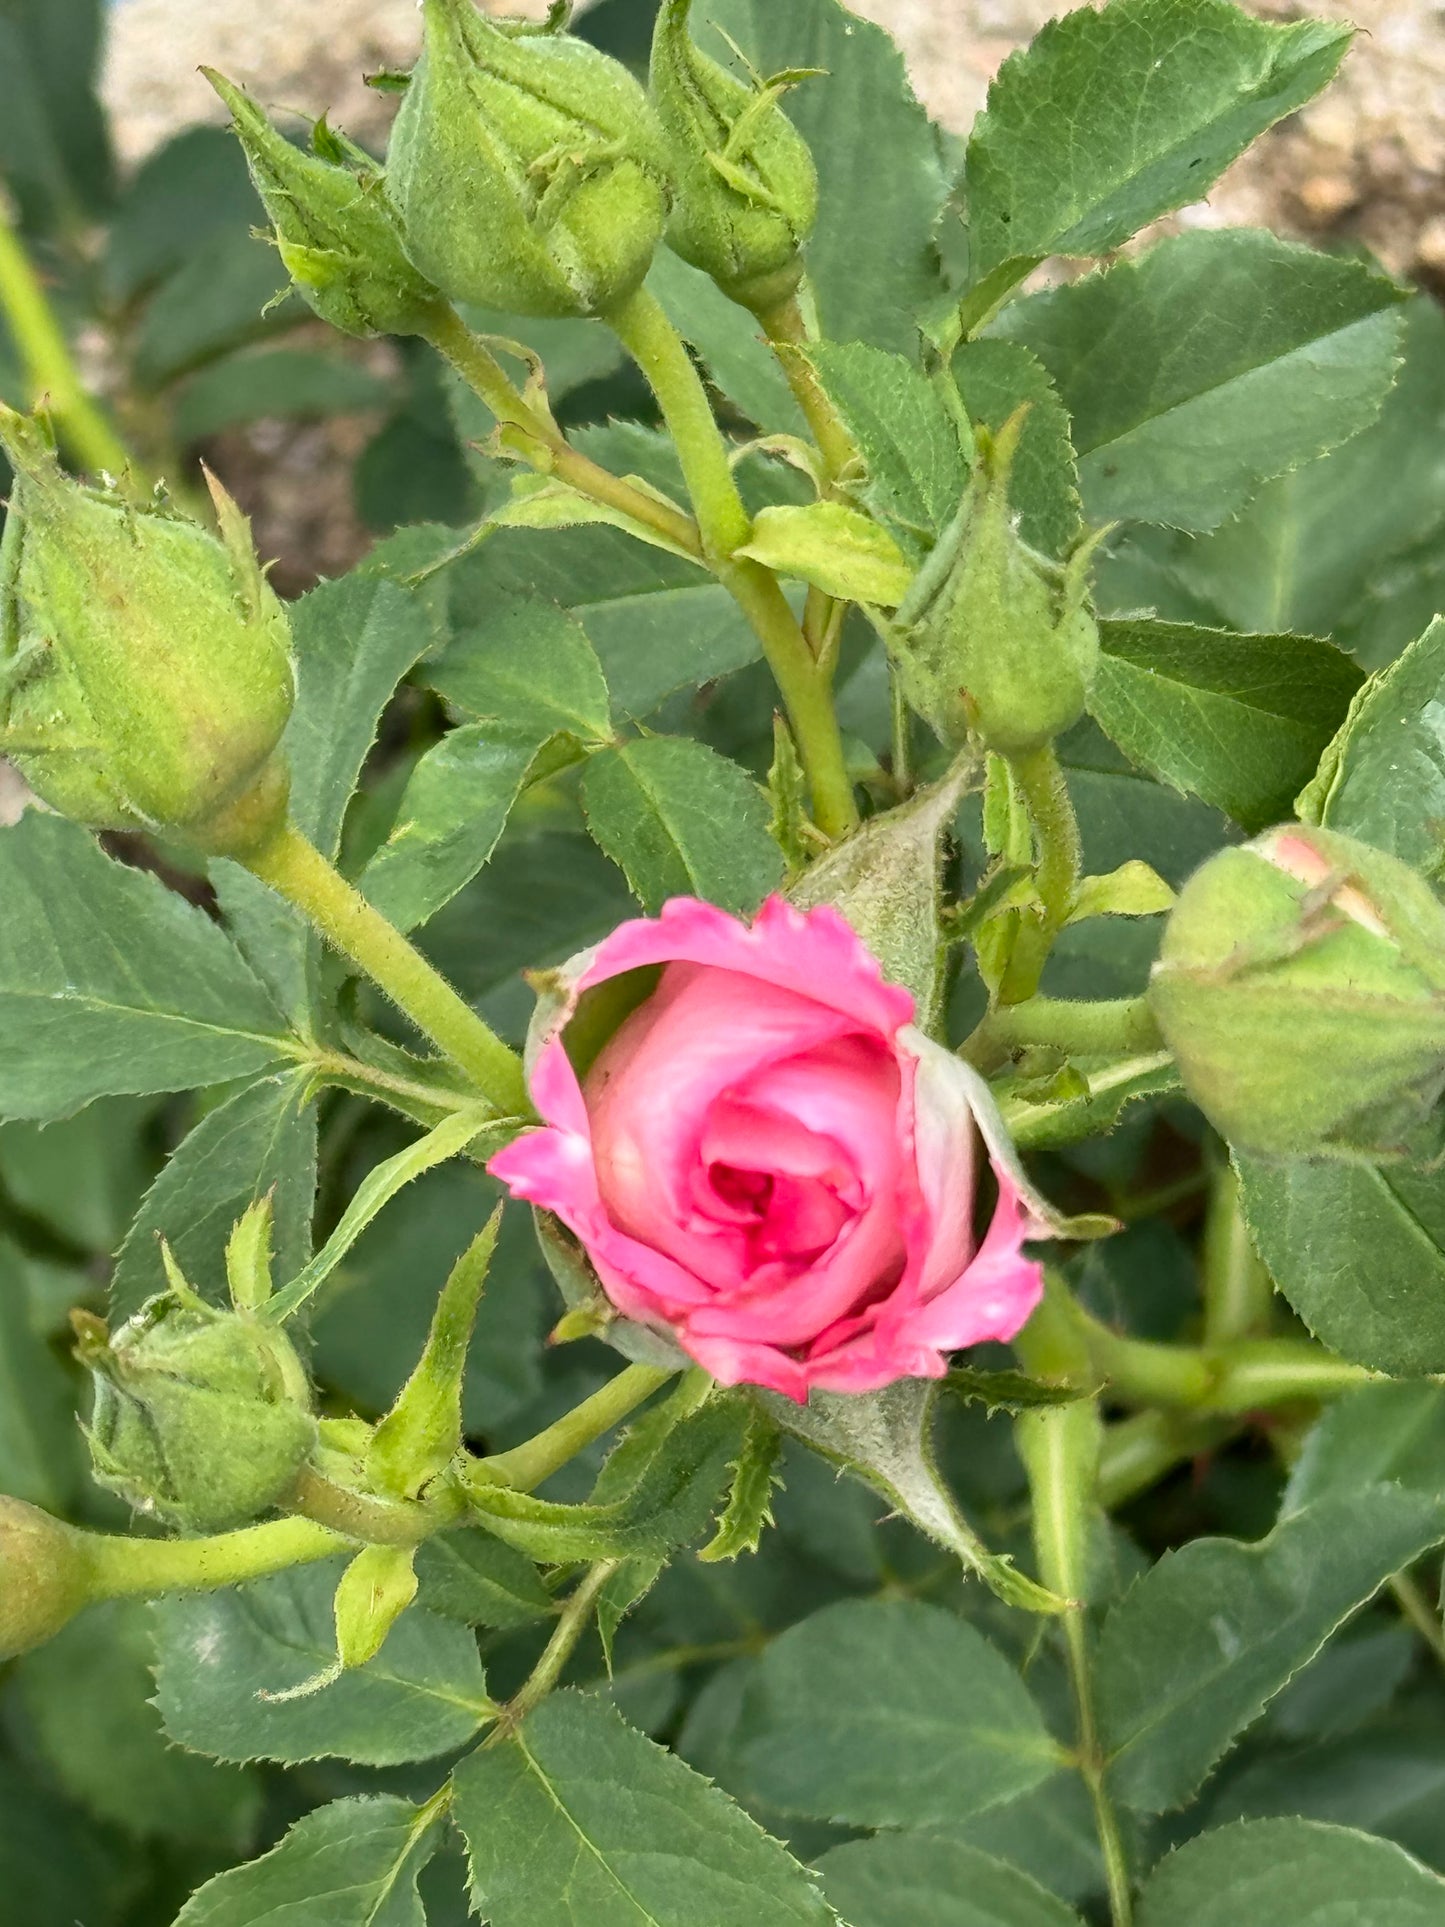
point(575, 1618)
point(1061, 1449)
point(1121, 1027)
point(526, 1466)
point(804, 687)
point(1058, 868)
point(1245, 1375)
point(298, 871)
point(123, 1568)
point(642, 326)
point(1238, 1291)
point(788, 334)
point(50, 372)
point(485, 376)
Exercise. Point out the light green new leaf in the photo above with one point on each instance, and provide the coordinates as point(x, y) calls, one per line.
point(681, 821)
point(833, 547)
point(528, 670)
point(579, 1821)
point(380, 1185)
point(1209, 365)
point(260, 1142)
point(352, 1864)
point(1110, 119)
point(930, 1880)
point(1206, 1638)
point(110, 982)
point(451, 816)
point(889, 1713)
point(1383, 777)
point(871, 258)
point(1238, 720)
point(221, 1654)
point(87, 1701)
point(996, 379)
point(1359, 1251)
point(906, 440)
point(1292, 1873)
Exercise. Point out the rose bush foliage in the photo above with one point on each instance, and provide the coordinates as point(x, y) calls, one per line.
point(892, 797)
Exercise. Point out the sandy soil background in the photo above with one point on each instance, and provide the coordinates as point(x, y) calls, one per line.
point(1367, 160)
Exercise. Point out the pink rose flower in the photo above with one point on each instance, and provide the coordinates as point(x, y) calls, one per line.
point(770, 1163)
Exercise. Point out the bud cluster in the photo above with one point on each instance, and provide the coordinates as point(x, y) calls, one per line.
point(529, 172)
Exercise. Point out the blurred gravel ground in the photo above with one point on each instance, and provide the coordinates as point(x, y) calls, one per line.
point(1366, 162)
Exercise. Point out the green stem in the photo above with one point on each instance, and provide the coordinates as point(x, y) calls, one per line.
point(298, 871)
point(642, 326)
point(1061, 1448)
point(1121, 1027)
point(804, 687)
point(1238, 1290)
point(121, 1568)
point(575, 1619)
point(527, 1466)
point(426, 1103)
point(1245, 1375)
point(552, 453)
point(50, 371)
point(1144, 1448)
point(366, 1517)
point(1058, 868)
point(788, 335)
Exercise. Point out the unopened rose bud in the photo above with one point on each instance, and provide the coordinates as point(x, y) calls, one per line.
point(824, 1160)
point(995, 640)
point(1301, 988)
point(201, 1417)
point(527, 167)
point(145, 665)
point(746, 190)
point(336, 231)
point(44, 1577)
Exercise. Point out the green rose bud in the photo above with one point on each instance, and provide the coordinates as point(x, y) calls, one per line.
point(336, 231)
point(1301, 987)
point(528, 169)
point(44, 1577)
point(145, 665)
point(201, 1417)
point(995, 640)
point(746, 189)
